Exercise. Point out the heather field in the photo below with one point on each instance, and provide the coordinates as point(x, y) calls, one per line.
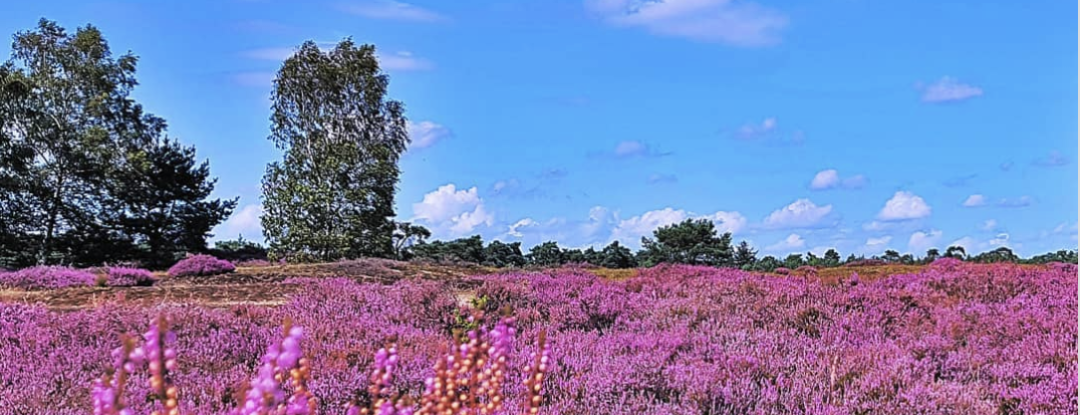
point(948, 338)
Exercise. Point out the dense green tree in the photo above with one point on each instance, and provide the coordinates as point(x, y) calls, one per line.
point(957, 252)
point(546, 254)
point(768, 264)
point(469, 249)
point(794, 261)
point(499, 254)
point(238, 249)
point(332, 195)
point(1066, 256)
point(573, 256)
point(891, 256)
point(689, 242)
point(594, 257)
point(744, 255)
point(1000, 254)
point(617, 256)
point(932, 254)
point(405, 236)
point(74, 147)
point(832, 258)
point(162, 203)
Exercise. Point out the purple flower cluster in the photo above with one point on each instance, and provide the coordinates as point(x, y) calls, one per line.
point(973, 338)
point(201, 265)
point(47, 277)
point(127, 277)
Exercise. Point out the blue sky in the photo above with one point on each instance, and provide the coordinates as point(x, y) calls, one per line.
point(799, 126)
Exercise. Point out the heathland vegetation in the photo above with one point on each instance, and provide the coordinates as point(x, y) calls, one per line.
point(379, 319)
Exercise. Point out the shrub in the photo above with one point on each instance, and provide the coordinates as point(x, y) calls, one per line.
point(782, 271)
point(201, 265)
point(469, 378)
point(127, 277)
point(47, 277)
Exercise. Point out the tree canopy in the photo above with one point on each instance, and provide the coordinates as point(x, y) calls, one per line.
point(332, 194)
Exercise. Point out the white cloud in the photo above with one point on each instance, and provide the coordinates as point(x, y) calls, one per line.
point(244, 222)
point(830, 179)
point(515, 229)
point(921, 241)
point(968, 243)
point(403, 61)
point(458, 211)
point(787, 245)
point(392, 10)
point(878, 242)
point(1001, 239)
point(631, 230)
point(825, 179)
point(727, 221)
point(975, 201)
point(799, 214)
point(948, 89)
point(426, 133)
point(989, 225)
point(724, 21)
point(904, 205)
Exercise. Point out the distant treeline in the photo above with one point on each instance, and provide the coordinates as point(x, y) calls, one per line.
point(694, 242)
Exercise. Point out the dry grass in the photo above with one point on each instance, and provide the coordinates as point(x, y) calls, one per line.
point(263, 285)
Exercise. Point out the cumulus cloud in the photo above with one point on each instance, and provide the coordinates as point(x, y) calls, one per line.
point(424, 134)
point(631, 230)
point(830, 179)
point(904, 205)
point(791, 243)
point(975, 201)
point(456, 211)
point(801, 213)
point(245, 222)
point(391, 10)
point(742, 24)
point(948, 89)
point(921, 241)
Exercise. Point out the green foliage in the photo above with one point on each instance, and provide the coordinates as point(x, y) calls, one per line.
point(616, 256)
point(768, 264)
point(1066, 256)
point(546, 254)
point(332, 195)
point(1001, 254)
point(744, 255)
point(86, 176)
point(794, 261)
point(831, 259)
point(405, 236)
point(691, 242)
point(238, 249)
point(957, 252)
point(499, 254)
point(469, 249)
